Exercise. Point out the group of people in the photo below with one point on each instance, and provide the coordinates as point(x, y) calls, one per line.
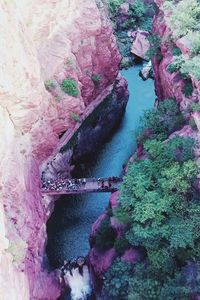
point(60, 184)
point(107, 183)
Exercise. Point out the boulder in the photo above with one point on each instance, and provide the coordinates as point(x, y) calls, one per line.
point(141, 44)
point(146, 71)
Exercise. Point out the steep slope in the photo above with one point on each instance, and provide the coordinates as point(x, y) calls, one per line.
point(43, 42)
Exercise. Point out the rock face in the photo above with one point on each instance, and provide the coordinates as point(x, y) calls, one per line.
point(169, 85)
point(42, 42)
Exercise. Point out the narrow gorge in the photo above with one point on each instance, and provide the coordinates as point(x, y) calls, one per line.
point(73, 106)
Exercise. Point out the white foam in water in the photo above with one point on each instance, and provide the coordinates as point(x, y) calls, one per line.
point(79, 284)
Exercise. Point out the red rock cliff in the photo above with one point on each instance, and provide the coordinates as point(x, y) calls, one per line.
point(42, 41)
point(170, 85)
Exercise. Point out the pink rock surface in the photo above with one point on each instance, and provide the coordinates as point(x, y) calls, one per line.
point(131, 255)
point(141, 44)
point(40, 41)
point(119, 227)
point(114, 199)
point(171, 85)
point(97, 223)
point(101, 261)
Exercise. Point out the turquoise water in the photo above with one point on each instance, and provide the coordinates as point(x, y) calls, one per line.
point(71, 221)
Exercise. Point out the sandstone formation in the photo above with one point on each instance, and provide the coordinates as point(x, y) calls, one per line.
point(170, 85)
point(42, 43)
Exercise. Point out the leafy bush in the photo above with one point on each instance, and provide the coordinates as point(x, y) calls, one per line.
point(194, 39)
point(176, 51)
point(75, 117)
point(137, 10)
point(193, 124)
point(180, 149)
point(185, 18)
point(121, 215)
point(161, 121)
point(50, 85)
point(195, 107)
point(114, 6)
point(96, 78)
point(69, 86)
point(116, 281)
point(105, 236)
point(121, 244)
point(191, 67)
point(154, 49)
point(176, 64)
point(188, 89)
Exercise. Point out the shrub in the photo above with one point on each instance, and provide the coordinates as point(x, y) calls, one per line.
point(105, 236)
point(188, 89)
point(176, 64)
point(137, 10)
point(75, 117)
point(176, 51)
point(191, 67)
point(193, 124)
point(116, 281)
point(114, 6)
point(96, 78)
point(121, 244)
point(185, 18)
point(195, 107)
point(121, 215)
point(50, 85)
point(69, 86)
point(194, 38)
point(154, 49)
point(161, 121)
point(180, 149)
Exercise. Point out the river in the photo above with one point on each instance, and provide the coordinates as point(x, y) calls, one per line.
point(70, 224)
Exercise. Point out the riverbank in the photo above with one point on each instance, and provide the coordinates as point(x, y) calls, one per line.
point(73, 217)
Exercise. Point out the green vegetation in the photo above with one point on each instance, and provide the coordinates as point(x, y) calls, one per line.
point(105, 236)
point(185, 17)
point(69, 86)
point(176, 64)
point(188, 89)
point(160, 122)
point(192, 123)
point(154, 41)
point(184, 21)
point(162, 207)
point(191, 67)
point(75, 117)
point(96, 78)
point(195, 107)
point(50, 85)
point(121, 244)
point(140, 16)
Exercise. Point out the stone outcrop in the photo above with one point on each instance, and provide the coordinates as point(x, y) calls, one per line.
point(42, 43)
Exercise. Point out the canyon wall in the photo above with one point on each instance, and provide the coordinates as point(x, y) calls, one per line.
point(170, 85)
point(42, 43)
